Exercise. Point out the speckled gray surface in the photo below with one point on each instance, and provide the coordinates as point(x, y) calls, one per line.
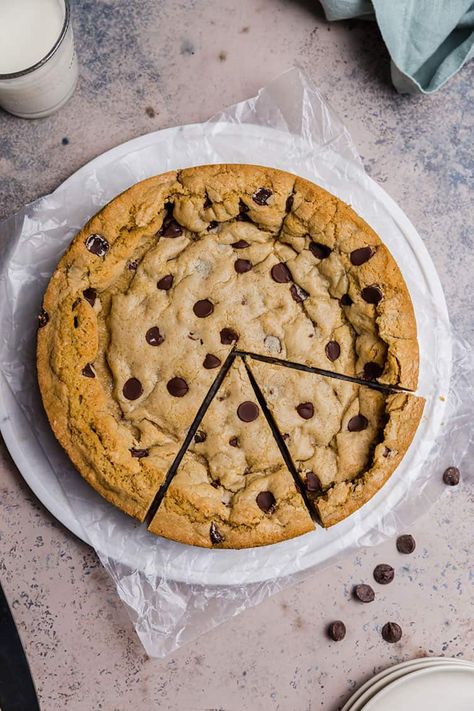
point(157, 63)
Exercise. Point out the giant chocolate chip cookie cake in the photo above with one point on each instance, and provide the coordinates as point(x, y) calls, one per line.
point(225, 352)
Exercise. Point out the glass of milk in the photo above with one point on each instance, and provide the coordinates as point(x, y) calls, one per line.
point(38, 64)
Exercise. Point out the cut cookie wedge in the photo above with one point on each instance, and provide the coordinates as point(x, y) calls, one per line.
point(345, 439)
point(232, 488)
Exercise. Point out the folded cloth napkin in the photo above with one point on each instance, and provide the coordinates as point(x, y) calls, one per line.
point(428, 40)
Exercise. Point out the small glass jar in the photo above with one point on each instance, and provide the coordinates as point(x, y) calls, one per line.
point(41, 89)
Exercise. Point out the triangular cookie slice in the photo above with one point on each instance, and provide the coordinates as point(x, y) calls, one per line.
point(232, 488)
point(345, 439)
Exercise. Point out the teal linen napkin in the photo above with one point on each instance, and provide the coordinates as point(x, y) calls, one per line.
point(428, 40)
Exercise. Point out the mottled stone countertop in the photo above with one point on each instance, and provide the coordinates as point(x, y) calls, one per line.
point(158, 63)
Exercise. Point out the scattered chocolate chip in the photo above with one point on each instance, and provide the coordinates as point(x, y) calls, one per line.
point(383, 573)
point(346, 300)
point(132, 389)
point(280, 273)
point(305, 410)
point(337, 630)
point(234, 442)
point(242, 265)
point(166, 282)
point(357, 423)
point(207, 201)
point(372, 371)
point(90, 295)
point(212, 225)
point(391, 632)
point(65, 141)
point(406, 544)
point(228, 336)
point(247, 411)
point(261, 196)
point(313, 483)
point(371, 294)
point(319, 250)
point(333, 350)
point(452, 476)
point(76, 322)
point(133, 265)
point(170, 228)
point(266, 501)
point(43, 318)
point(88, 371)
point(215, 535)
point(200, 436)
point(364, 593)
point(177, 387)
point(298, 293)
point(387, 452)
point(98, 245)
point(243, 209)
point(361, 255)
point(240, 244)
point(154, 337)
point(203, 308)
point(139, 453)
point(289, 203)
point(211, 361)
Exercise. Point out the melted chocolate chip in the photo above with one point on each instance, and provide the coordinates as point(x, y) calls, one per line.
point(364, 593)
point(234, 442)
point(313, 483)
point(280, 273)
point(357, 423)
point(170, 228)
point(372, 295)
point(76, 322)
point(43, 318)
point(228, 336)
point(261, 196)
point(333, 350)
point(154, 337)
point(361, 255)
point(207, 201)
point(90, 295)
point(243, 207)
point(132, 389)
point(88, 371)
point(247, 411)
point(211, 361)
point(98, 245)
point(200, 436)
point(319, 250)
point(305, 410)
point(391, 632)
point(383, 573)
point(266, 502)
point(406, 544)
point(215, 535)
point(212, 225)
point(240, 244)
point(346, 300)
point(337, 630)
point(289, 203)
point(177, 387)
point(203, 308)
point(139, 453)
point(216, 483)
point(166, 282)
point(452, 476)
point(372, 371)
point(298, 293)
point(242, 265)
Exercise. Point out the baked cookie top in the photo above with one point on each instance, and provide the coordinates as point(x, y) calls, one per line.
point(171, 276)
point(232, 489)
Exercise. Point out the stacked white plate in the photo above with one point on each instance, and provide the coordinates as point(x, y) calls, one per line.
point(428, 684)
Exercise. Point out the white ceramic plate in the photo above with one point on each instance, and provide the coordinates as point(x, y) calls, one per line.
point(104, 177)
point(446, 687)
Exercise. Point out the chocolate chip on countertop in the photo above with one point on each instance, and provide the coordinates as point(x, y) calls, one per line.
point(372, 294)
point(266, 501)
point(261, 196)
point(333, 350)
point(242, 265)
point(154, 337)
point(234, 442)
point(406, 543)
point(452, 476)
point(372, 371)
point(166, 282)
point(170, 228)
point(139, 453)
point(337, 630)
point(215, 535)
point(200, 436)
point(211, 361)
point(364, 593)
point(298, 293)
point(88, 371)
point(319, 250)
point(280, 273)
point(90, 295)
point(228, 336)
point(346, 300)
point(357, 423)
point(132, 389)
point(361, 255)
point(177, 387)
point(383, 573)
point(97, 244)
point(391, 632)
point(240, 244)
point(305, 410)
point(247, 411)
point(43, 318)
point(313, 483)
point(203, 308)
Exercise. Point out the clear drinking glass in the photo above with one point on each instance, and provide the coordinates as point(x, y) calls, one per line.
point(42, 88)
